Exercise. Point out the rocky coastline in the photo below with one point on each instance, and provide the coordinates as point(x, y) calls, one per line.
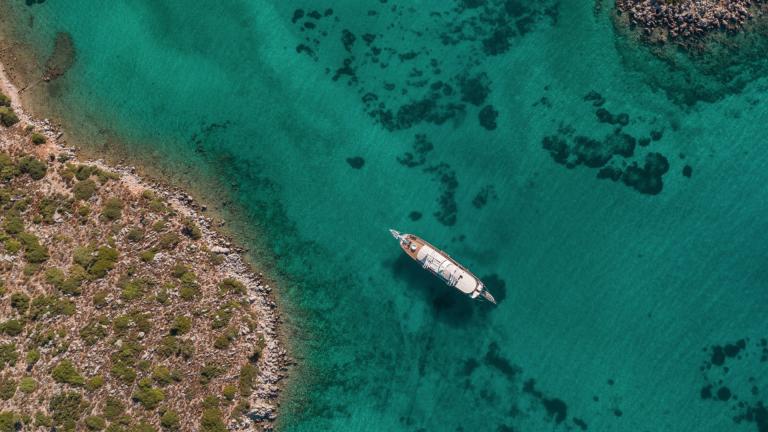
point(257, 295)
point(685, 21)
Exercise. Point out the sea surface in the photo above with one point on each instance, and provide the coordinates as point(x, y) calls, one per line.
point(614, 202)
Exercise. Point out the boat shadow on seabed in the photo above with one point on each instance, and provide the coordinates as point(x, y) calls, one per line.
point(447, 304)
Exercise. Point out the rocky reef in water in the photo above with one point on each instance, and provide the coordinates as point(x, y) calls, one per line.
point(682, 20)
point(693, 50)
point(121, 309)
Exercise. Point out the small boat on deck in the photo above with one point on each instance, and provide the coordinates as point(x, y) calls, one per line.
point(442, 265)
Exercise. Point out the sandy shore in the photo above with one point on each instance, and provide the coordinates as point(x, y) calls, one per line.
point(273, 369)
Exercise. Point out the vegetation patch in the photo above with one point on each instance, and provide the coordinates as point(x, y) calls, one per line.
point(123, 281)
point(65, 373)
point(8, 118)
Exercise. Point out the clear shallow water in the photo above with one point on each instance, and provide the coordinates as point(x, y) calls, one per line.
point(612, 301)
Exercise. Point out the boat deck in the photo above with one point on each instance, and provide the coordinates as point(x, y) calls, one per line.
point(441, 264)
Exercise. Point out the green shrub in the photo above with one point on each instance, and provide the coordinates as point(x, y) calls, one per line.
point(162, 296)
point(129, 353)
point(157, 206)
point(82, 172)
point(113, 209)
point(189, 288)
point(30, 269)
point(210, 402)
point(5, 100)
point(34, 252)
point(64, 372)
point(83, 212)
point(9, 422)
point(8, 355)
point(258, 347)
point(96, 263)
point(7, 117)
point(13, 223)
point(33, 356)
point(84, 256)
point(27, 385)
point(84, 190)
point(20, 205)
point(42, 420)
point(105, 176)
point(12, 246)
point(8, 169)
point(38, 138)
point(33, 167)
point(224, 340)
point(147, 255)
point(123, 372)
point(181, 325)
point(66, 409)
point(95, 382)
point(188, 292)
point(215, 259)
point(7, 388)
point(159, 225)
point(211, 421)
point(47, 209)
point(93, 332)
point(106, 258)
point(20, 302)
point(232, 285)
point(142, 426)
point(113, 409)
point(179, 270)
point(43, 306)
point(148, 396)
point(241, 408)
point(133, 289)
point(247, 379)
point(12, 327)
point(208, 372)
point(229, 392)
point(190, 229)
point(168, 241)
point(122, 323)
point(66, 285)
point(162, 375)
point(144, 365)
point(100, 299)
point(170, 420)
point(169, 346)
point(221, 317)
point(95, 423)
point(55, 276)
point(135, 235)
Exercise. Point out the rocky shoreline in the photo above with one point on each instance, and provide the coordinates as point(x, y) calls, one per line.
point(681, 21)
point(274, 358)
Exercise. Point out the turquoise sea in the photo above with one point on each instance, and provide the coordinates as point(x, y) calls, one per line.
point(494, 129)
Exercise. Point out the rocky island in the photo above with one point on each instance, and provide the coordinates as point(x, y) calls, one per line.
point(681, 21)
point(120, 308)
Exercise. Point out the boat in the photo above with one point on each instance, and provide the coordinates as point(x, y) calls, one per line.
point(443, 266)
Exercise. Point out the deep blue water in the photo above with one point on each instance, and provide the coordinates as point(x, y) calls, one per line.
point(494, 129)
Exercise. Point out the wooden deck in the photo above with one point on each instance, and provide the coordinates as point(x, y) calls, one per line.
point(413, 252)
